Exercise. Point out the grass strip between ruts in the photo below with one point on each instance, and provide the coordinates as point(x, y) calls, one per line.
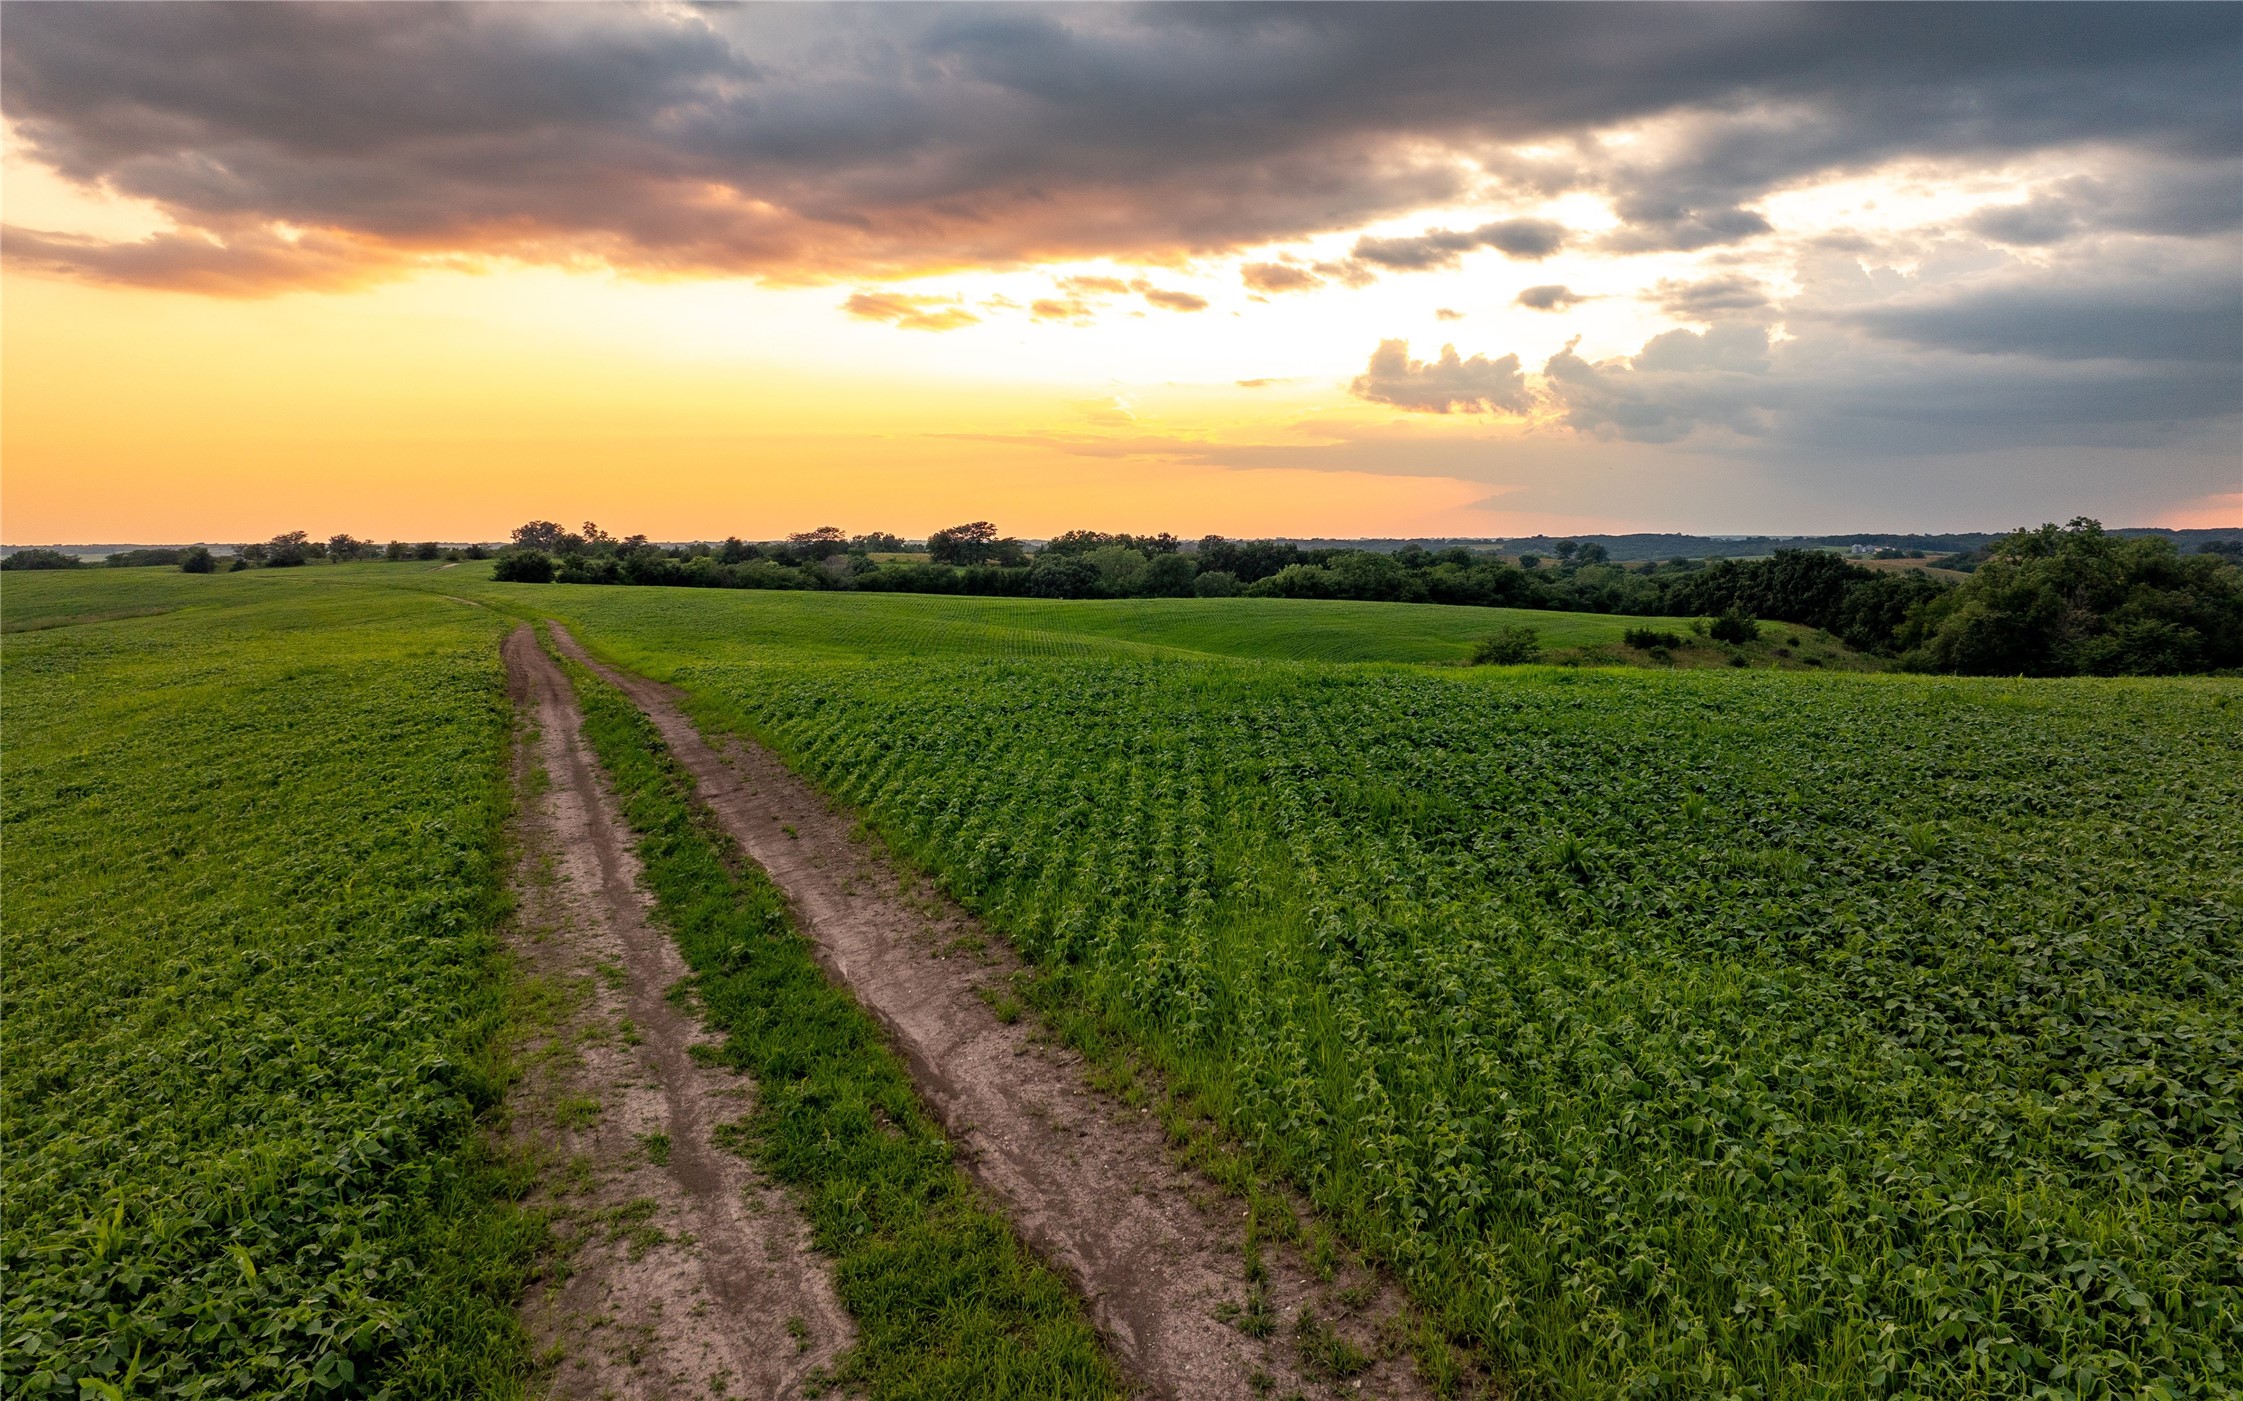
point(947, 1302)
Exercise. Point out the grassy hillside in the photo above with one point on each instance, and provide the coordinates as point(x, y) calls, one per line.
point(249, 893)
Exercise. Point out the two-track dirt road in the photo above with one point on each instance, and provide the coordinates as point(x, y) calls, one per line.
point(1157, 1252)
point(686, 1274)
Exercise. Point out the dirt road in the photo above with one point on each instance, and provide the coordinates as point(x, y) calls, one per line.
point(1157, 1251)
point(687, 1275)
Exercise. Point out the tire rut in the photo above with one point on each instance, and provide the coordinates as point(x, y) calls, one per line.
point(687, 1273)
point(1157, 1251)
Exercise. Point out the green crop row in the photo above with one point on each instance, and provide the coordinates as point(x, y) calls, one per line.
point(947, 1303)
point(1727, 1035)
point(252, 996)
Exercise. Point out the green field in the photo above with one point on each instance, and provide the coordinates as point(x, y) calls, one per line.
point(1670, 1033)
point(1724, 1034)
point(250, 991)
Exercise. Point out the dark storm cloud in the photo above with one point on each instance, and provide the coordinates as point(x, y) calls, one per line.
point(840, 141)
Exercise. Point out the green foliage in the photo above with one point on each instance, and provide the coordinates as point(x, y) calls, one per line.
point(1508, 647)
point(2073, 600)
point(1734, 627)
point(946, 1301)
point(142, 559)
point(41, 559)
point(1644, 639)
point(195, 559)
point(523, 566)
point(1901, 1056)
point(252, 996)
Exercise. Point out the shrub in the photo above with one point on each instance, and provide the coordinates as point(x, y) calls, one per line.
point(1509, 647)
point(1734, 627)
point(41, 559)
point(523, 567)
point(1644, 639)
point(1216, 583)
point(196, 560)
point(141, 559)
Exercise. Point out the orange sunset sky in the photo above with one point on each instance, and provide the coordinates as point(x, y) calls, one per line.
point(425, 272)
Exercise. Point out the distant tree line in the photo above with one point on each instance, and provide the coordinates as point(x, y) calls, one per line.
point(2057, 600)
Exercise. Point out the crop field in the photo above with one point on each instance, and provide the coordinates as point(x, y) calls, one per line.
point(1668, 1033)
point(1672, 1034)
point(656, 626)
point(249, 992)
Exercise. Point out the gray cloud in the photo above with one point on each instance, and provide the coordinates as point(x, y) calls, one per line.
point(1477, 385)
point(869, 141)
point(1441, 248)
point(1723, 297)
point(2184, 313)
point(1550, 296)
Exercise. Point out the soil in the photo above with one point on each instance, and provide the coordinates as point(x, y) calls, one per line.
point(1157, 1251)
point(682, 1272)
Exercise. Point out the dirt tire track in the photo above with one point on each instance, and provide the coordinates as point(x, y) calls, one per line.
point(688, 1274)
point(1156, 1250)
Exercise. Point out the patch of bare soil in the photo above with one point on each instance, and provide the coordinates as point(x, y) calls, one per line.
point(1158, 1251)
point(683, 1272)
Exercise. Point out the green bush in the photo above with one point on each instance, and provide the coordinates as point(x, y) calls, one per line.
point(1644, 639)
point(1734, 627)
point(41, 559)
point(1509, 647)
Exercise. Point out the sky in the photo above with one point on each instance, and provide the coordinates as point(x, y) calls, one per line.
point(417, 271)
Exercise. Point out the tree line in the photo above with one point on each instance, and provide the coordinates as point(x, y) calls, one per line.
point(2057, 600)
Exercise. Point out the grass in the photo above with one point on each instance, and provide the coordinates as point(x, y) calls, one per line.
point(947, 1302)
point(252, 993)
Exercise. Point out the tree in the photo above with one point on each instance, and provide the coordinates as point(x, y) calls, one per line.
point(344, 548)
point(2074, 599)
point(428, 549)
point(286, 551)
point(1063, 576)
point(197, 560)
point(1167, 575)
point(396, 550)
point(519, 566)
point(825, 541)
point(1215, 583)
point(538, 535)
point(1119, 568)
point(972, 543)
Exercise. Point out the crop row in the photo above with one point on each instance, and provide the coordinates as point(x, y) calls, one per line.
point(1742, 1035)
